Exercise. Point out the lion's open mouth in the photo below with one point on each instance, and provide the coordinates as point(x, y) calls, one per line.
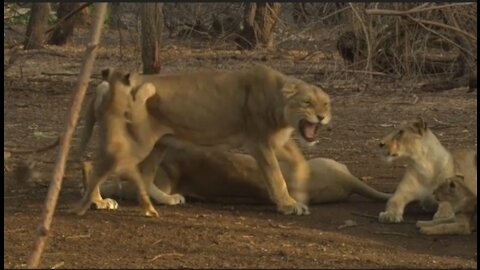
point(308, 130)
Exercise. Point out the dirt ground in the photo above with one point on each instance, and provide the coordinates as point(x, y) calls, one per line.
point(204, 235)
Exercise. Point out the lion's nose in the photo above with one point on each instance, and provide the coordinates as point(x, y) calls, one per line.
point(320, 117)
point(381, 144)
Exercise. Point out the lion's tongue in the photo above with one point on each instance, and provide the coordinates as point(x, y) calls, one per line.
point(309, 130)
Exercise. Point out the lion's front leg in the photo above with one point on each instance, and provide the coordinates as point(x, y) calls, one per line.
point(459, 226)
point(395, 206)
point(299, 170)
point(276, 186)
point(148, 168)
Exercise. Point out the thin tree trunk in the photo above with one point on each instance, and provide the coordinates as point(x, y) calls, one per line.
point(64, 31)
point(71, 122)
point(37, 25)
point(259, 22)
point(152, 26)
point(116, 16)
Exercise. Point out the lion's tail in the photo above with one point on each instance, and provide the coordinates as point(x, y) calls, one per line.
point(367, 191)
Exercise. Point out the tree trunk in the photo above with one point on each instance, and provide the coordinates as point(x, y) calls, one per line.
point(116, 16)
point(300, 13)
point(37, 25)
point(259, 22)
point(64, 31)
point(152, 26)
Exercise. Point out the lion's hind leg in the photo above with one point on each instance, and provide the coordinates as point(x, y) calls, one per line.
point(456, 227)
point(100, 173)
point(97, 200)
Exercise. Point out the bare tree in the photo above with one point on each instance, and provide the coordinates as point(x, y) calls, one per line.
point(152, 25)
point(259, 22)
point(116, 11)
point(37, 25)
point(62, 34)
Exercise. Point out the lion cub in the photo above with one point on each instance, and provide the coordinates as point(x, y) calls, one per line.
point(120, 147)
point(457, 209)
point(428, 165)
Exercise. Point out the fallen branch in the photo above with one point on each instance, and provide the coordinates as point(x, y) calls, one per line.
point(391, 233)
point(40, 150)
point(166, 254)
point(364, 215)
point(95, 76)
point(411, 11)
point(73, 115)
point(57, 265)
point(453, 28)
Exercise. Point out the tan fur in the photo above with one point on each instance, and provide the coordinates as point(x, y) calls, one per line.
point(457, 209)
point(428, 165)
point(216, 175)
point(257, 108)
point(119, 150)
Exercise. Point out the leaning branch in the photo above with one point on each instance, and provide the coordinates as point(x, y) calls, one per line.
point(411, 11)
point(68, 16)
point(73, 115)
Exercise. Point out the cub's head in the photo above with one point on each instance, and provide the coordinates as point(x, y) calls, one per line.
point(307, 107)
point(406, 141)
point(454, 191)
point(124, 89)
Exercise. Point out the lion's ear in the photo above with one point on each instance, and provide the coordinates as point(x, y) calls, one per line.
point(131, 79)
point(289, 89)
point(145, 91)
point(420, 125)
point(106, 73)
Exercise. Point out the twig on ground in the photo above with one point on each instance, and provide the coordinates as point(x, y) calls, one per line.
point(376, 217)
point(78, 236)
point(165, 255)
point(43, 149)
point(391, 233)
point(57, 265)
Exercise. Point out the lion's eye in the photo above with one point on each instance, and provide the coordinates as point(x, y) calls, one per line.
point(306, 103)
point(326, 104)
point(399, 134)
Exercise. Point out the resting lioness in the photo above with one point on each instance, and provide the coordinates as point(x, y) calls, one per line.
point(428, 165)
point(216, 175)
point(258, 108)
point(456, 211)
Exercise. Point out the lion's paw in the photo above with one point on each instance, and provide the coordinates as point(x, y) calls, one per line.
point(151, 212)
point(175, 199)
point(388, 217)
point(422, 223)
point(296, 208)
point(427, 231)
point(105, 204)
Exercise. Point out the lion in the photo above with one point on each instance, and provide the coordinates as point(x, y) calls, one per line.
point(429, 164)
point(257, 108)
point(211, 174)
point(120, 149)
point(457, 209)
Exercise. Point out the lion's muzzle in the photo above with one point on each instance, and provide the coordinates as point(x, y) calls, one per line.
point(308, 129)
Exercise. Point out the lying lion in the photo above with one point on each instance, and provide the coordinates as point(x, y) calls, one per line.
point(215, 175)
point(457, 210)
point(258, 108)
point(429, 165)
